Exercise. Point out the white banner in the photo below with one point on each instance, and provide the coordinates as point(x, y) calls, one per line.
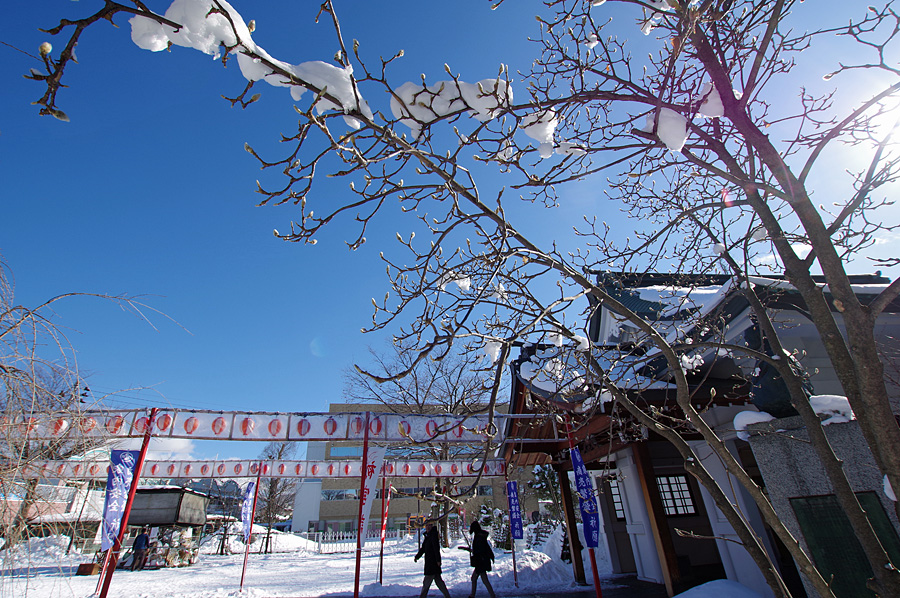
point(374, 461)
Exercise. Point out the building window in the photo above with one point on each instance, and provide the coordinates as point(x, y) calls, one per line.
point(615, 493)
point(340, 494)
point(346, 451)
point(676, 495)
point(485, 491)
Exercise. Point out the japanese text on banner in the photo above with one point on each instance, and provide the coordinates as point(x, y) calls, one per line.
point(515, 510)
point(118, 485)
point(247, 510)
point(586, 501)
point(374, 461)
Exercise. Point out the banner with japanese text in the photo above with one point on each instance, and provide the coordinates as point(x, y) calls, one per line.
point(247, 510)
point(374, 461)
point(118, 485)
point(515, 510)
point(586, 500)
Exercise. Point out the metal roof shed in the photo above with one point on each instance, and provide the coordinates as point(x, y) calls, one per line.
point(168, 505)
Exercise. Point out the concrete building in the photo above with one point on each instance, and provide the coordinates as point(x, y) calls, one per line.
point(332, 504)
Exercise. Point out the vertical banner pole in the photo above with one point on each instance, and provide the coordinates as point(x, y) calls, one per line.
point(572, 448)
point(384, 510)
point(515, 519)
point(112, 557)
point(360, 533)
point(252, 517)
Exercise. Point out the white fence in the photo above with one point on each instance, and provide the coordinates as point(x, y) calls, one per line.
point(334, 542)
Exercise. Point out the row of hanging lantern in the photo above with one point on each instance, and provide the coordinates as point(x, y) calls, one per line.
point(273, 469)
point(257, 426)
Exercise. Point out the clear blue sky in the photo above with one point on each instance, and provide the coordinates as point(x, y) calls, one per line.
point(148, 191)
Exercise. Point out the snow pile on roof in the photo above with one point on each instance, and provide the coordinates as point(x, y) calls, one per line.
point(675, 299)
point(836, 409)
point(417, 105)
point(833, 408)
point(745, 418)
point(209, 32)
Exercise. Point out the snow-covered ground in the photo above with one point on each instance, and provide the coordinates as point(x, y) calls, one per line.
point(42, 570)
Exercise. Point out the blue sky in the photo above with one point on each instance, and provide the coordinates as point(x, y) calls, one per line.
point(147, 191)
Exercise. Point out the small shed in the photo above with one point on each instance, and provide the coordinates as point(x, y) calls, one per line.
point(168, 506)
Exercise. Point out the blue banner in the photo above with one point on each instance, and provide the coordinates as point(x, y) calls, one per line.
point(586, 501)
point(118, 485)
point(247, 510)
point(515, 510)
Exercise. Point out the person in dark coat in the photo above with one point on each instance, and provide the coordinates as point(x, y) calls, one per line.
point(431, 548)
point(482, 557)
point(139, 548)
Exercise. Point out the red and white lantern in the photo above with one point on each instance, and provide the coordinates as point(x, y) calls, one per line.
point(218, 425)
point(114, 424)
point(191, 424)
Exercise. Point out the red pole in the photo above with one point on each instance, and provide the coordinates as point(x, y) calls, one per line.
point(383, 522)
point(597, 589)
point(112, 557)
point(360, 533)
point(252, 517)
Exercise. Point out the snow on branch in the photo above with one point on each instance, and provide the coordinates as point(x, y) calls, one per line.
point(213, 25)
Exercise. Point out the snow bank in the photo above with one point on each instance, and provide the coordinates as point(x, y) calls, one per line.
point(234, 544)
point(718, 589)
point(49, 551)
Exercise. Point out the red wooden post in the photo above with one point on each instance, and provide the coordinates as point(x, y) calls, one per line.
point(252, 517)
point(112, 556)
point(360, 533)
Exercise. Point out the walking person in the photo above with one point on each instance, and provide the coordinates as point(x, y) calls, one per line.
point(431, 548)
point(482, 557)
point(139, 548)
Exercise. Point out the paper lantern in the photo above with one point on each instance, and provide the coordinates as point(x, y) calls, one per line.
point(59, 426)
point(164, 421)
point(218, 425)
point(191, 424)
